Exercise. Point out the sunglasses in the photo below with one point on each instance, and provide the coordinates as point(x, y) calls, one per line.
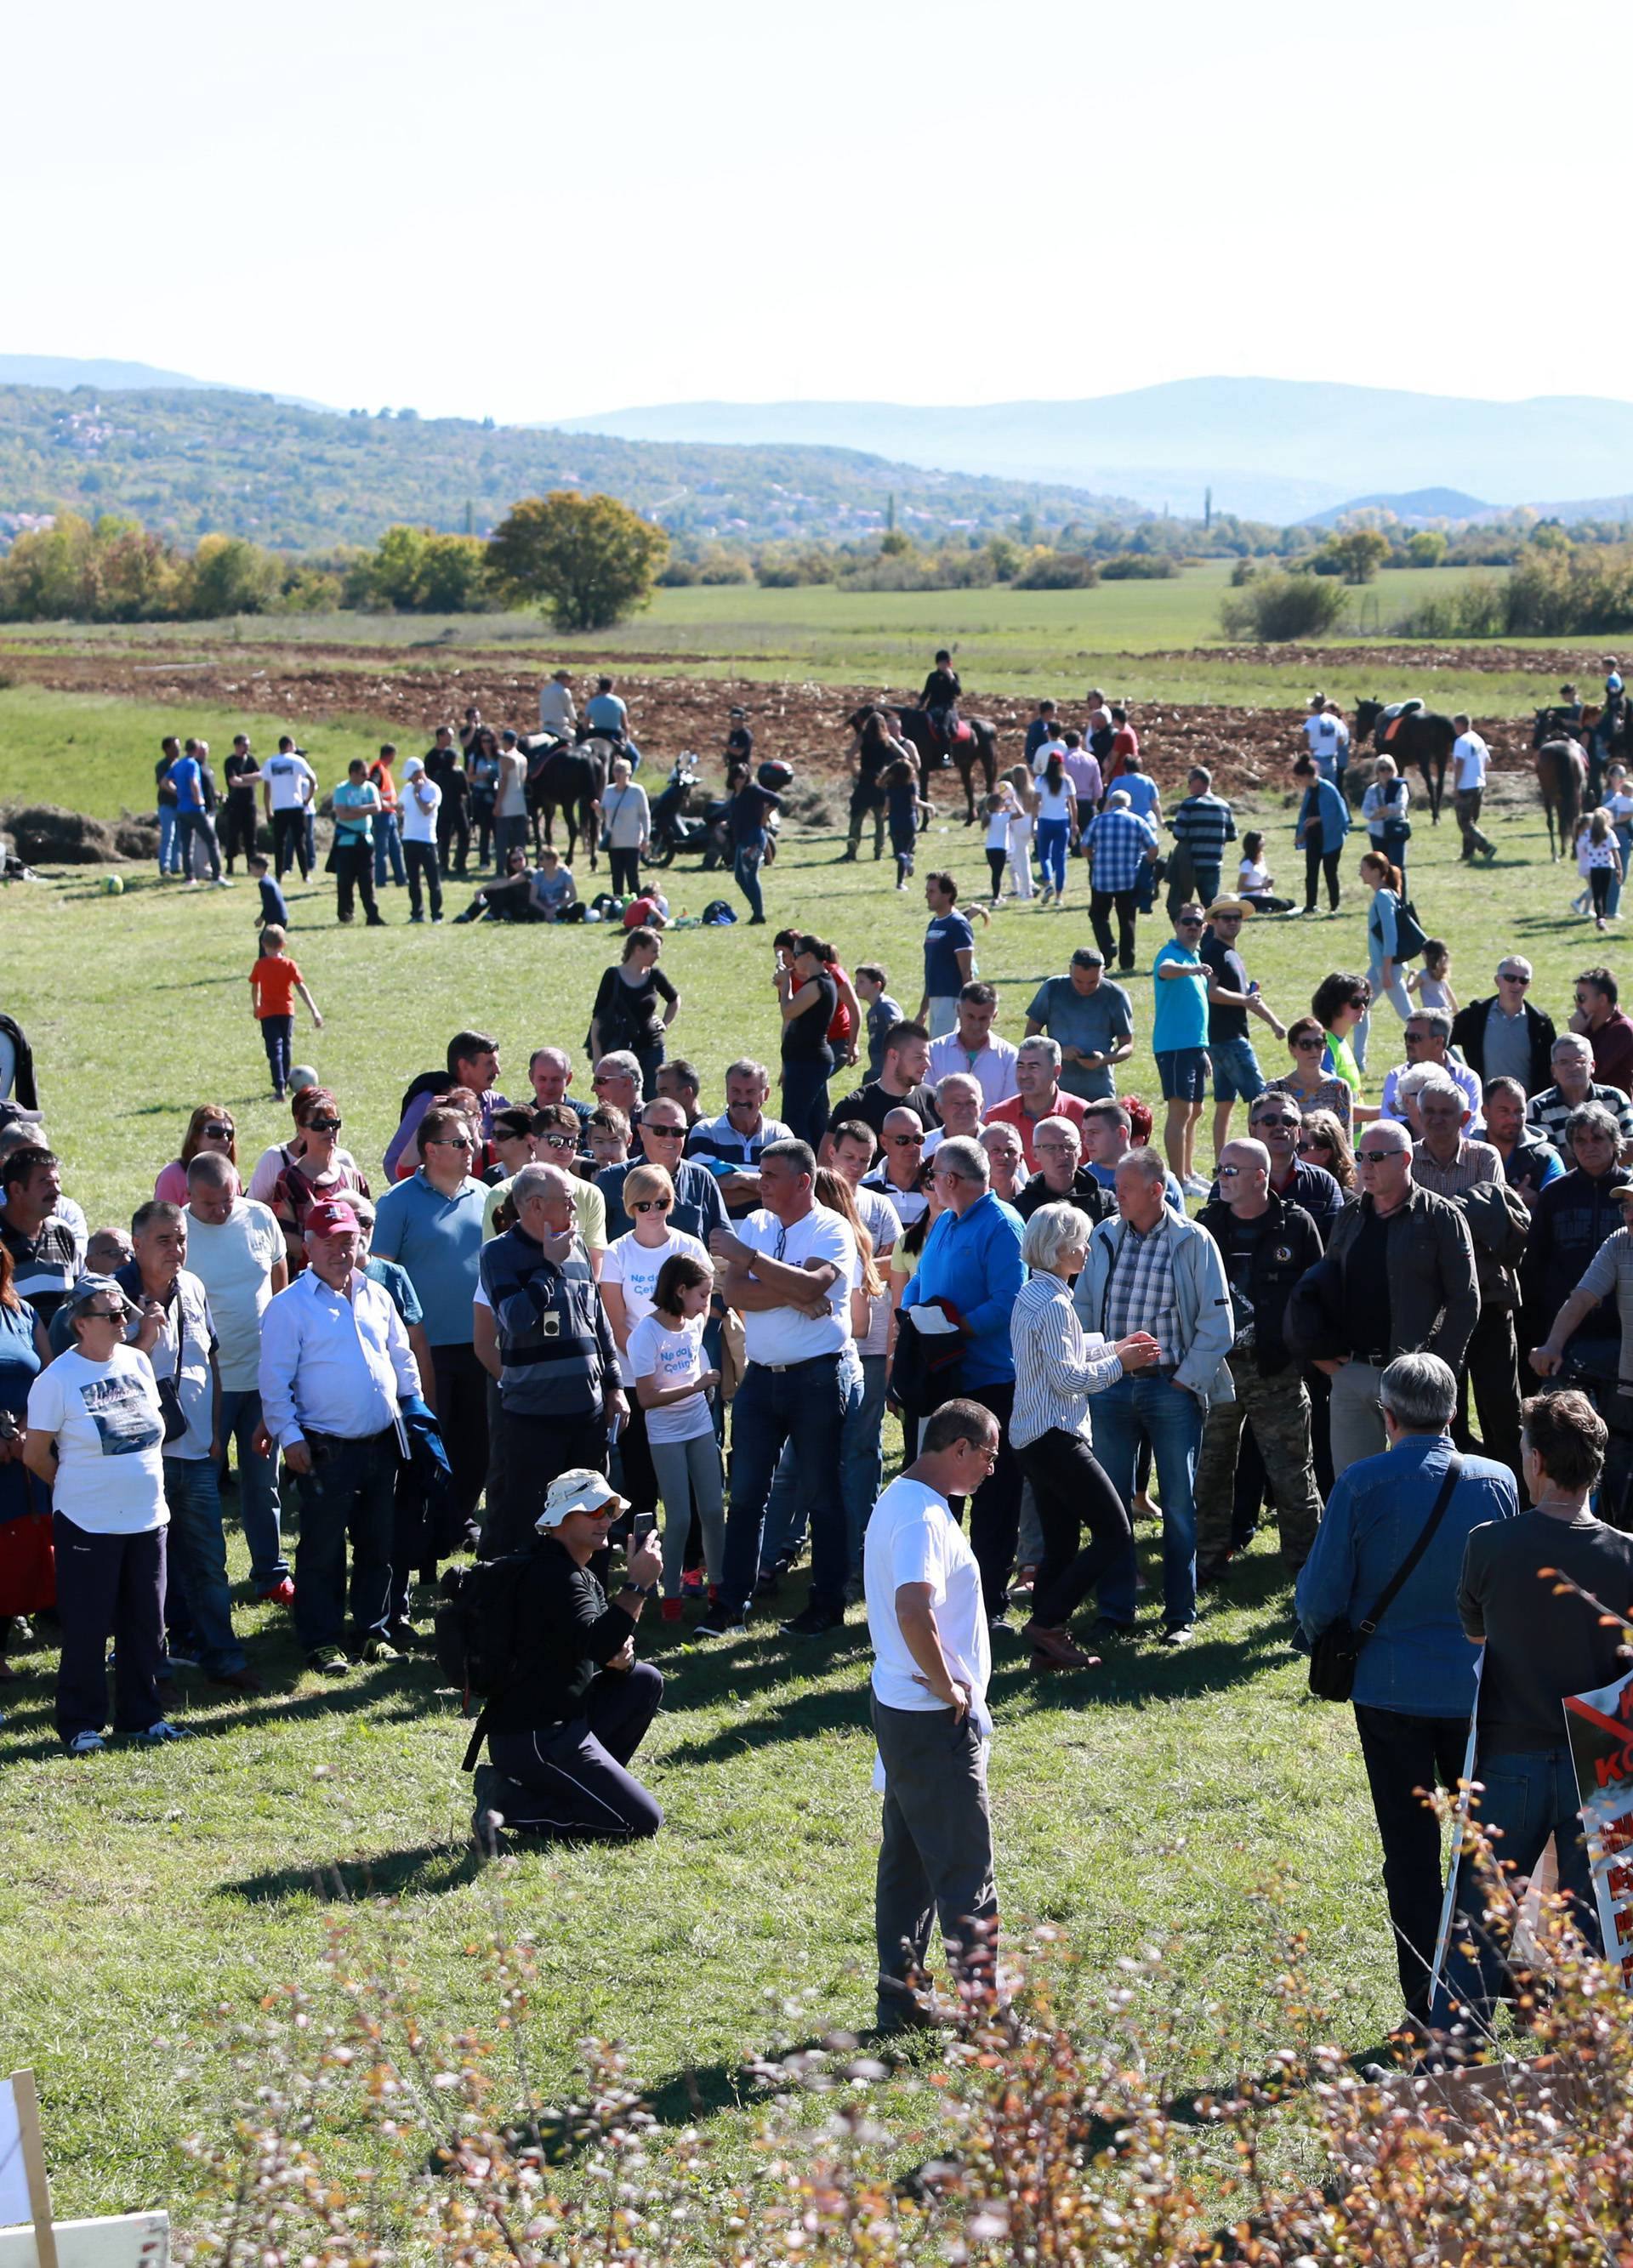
point(324, 1126)
point(451, 1142)
point(1309, 1047)
point(1377, 1157)
point(216, 1133)
point(1223, 918)
point(607, 1078)
point(1230, 1172)
point(1275, 1122)
point(557, 1141)
point(664, 1133)
point(1188, 925)
point(906, 1141)
point(1315, 1142)
point(104, 1314)
point(1511, 977)
point(652, 1204)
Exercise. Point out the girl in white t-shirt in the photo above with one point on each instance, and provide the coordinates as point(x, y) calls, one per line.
point(1000, 808)
point(672, 1386)
point(629, 1275)
point(1432, 981)
point(1253, 878)
point(1021, 822)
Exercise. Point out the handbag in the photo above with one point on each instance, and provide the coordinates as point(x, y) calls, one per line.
point(1333, 1655)
point(170, 1388)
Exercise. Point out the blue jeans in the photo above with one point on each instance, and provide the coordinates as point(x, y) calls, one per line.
point(746, 873)
point(199, 1551)
point(805, 1100)
point(1530, 1793)
point(786, 1520)
point(258, 1507)
point(351, 1491)
point(1053, 837)
point(169, 849)
point(1172, 1416)
point(804, 1404)
point(387, 845)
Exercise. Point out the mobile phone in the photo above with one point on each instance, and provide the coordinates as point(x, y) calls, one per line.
point(645, 1523)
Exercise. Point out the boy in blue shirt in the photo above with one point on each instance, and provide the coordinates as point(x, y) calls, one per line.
point(1180, 979)
point(883, 1011)
point(274, 912)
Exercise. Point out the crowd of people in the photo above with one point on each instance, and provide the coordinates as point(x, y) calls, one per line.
point(670, 1323)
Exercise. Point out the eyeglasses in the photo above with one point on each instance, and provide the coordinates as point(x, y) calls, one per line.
point(607, 1079)
point(1418, 1039)
point(1266, 1119)
point(559, 1140)
point(450, 1142)
point(1377, 1157)
point(652, 1204)
point(664, 1133)
point(1188, 923)
point(1315, 1142)
point(1309, 1047)
point(324, 1126)
point(104, 1314)
point(1511, 977)
point(215, 1133)
point(906, 1141)
point(1225, 918)
point(1230, 1172)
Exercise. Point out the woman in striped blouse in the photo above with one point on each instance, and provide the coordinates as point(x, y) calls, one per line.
point(1056, 1369)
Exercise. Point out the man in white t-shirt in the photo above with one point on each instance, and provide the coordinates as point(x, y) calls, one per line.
point(288, 784)
point(862, 1454)
point(418, 804)
point(932, 1662)
point(236, 1250)
point(788, 1269)
point(1469, 759)
point(1328, 742)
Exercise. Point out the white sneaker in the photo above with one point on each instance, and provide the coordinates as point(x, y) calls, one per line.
point(222, 883)
point(189, 886)
point(1195, 1186)
point(85, 1744)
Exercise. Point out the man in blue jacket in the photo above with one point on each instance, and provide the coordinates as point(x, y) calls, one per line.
point(1323, 823)
point(1415, 1678)
point(971, 1260)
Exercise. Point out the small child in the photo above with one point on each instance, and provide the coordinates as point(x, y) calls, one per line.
point(1432, 981)
point(274, 981)
point(1022, 827)
point(999, 809)
point(607, 1135)
point(274, 912)
point(903, 806)
point(883, 1011)
point(673, 1382)
point(1584, 898)
point(1603, 863)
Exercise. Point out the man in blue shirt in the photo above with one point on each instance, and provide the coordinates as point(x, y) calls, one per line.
point(1179, 1041)
point(1323, 823)
point(972, 1259)
point(1119, 845)
point(194, 823)
point(948, 956)
point(1415, 1677)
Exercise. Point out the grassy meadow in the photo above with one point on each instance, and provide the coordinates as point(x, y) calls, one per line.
point(149, 1901)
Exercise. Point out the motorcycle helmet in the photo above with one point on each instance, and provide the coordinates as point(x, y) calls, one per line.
point(775, 776)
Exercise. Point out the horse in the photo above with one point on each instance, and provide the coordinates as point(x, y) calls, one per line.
point(1419, 736)
point(571, 780)
point(1562, 782)
point(977, 744)
point(875, 753)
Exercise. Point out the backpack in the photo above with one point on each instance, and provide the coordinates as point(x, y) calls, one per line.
point(474, 1631)
point(1410, 935)
point(718, 915)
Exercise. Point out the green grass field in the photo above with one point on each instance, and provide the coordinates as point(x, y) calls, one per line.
point(140, 1894)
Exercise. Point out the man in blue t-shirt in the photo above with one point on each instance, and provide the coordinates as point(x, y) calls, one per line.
point(194, 797)
point(948, 956)
point(1179, 1041)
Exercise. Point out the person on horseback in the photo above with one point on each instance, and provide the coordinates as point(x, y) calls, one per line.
point(940, 702)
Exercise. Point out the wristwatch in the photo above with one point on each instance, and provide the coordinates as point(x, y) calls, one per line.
point(641, 1590)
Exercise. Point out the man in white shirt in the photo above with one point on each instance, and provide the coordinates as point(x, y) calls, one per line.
point(1322, 729)
point(861, 1449)
point(288, 784)
point(1428, 1035)
point(235, 1249)
point(1469, 759)
point(959, 1099)
point(789, 1269)
point(557, 713)
point(932, 1662)
point(418, 806)
point(334, 1365)
point(971, 1047)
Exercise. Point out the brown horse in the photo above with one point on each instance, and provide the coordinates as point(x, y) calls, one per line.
point(977, 746)
point(1562, 782)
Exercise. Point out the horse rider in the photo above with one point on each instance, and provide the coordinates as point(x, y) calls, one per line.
point(940, 702)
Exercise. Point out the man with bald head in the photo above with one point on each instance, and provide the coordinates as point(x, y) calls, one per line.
point(901, 1154)
point(1402, 1282)
point(540, 1331)
point(1266, 1243)
point(1061, 1178)
point(236, 1247)
point(551, 1072)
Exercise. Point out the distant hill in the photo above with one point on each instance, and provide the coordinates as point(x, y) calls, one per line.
point(187, 459)
point(1419, 506)
point(1272, 449)
point(68, 372)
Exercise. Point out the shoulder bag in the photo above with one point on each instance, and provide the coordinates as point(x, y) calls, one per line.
point(1333, 1655)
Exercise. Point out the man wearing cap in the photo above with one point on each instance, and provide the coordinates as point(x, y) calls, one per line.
point(576, 1704)
point(421, 801)
point(336, 1365)
point(1232, 997)
point(1091, 1019)
point(557, 713)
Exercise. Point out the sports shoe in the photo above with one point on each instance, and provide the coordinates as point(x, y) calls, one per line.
point(1178, 1634)
point(813, 1621)
point(1195, 1186)
point(380, 1649)
point(719, 1621)
point(179, 1658)
point(328, 1661)
point(692, 1582)
point(160, 1733)
point(1104, 1632)
point(85, 1744)
point(222, 883)
point(281, 1594)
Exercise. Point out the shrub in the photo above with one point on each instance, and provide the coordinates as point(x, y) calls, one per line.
point(1058, 571)
point(1274, 608)
point(1138, 567)
point(588, 560)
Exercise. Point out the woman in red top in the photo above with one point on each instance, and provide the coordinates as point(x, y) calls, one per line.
point(318, 1175)
point(210, 1128)
point(844, 1031)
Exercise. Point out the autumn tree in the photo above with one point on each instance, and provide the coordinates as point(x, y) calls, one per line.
point(589, 561)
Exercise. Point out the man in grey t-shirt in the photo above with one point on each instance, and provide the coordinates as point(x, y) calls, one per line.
point(1091, 1019)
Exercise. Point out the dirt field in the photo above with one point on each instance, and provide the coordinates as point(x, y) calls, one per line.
point(1245, 748)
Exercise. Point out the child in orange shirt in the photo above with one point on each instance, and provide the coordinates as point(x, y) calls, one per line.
point(274, 981)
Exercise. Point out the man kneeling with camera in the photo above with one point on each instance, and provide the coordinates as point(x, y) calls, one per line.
point(576, 1703)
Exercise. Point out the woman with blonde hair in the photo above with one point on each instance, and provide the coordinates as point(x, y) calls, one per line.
point(628, 1280)
point(1322, 1142)
point(210, 1128)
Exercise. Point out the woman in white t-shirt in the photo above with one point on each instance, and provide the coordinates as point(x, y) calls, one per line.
point(672, 1385)
point(629, 1277)
point(96, 1433)
point(1021, 823)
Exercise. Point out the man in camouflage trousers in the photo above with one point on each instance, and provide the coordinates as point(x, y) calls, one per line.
point(1268, 1244)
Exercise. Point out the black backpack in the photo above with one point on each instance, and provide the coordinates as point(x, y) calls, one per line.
point(1410, 935)
point(474, 1630)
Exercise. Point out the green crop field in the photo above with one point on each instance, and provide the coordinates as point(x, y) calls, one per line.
point(146, 1901)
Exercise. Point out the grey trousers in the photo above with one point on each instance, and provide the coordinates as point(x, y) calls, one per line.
point(691, 1482)
point(935, 1861)
point(1356, 1421)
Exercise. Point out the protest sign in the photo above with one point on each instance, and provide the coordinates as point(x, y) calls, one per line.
point(1599, 1726)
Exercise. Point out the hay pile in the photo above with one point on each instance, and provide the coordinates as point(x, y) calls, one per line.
point(48, 835)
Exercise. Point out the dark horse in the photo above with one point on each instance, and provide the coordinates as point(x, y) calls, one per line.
point(1417, 736)
point(1562, 782)
point(979, 745)
point(571, 780)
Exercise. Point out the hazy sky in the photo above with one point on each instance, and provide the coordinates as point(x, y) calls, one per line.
point(537, 210)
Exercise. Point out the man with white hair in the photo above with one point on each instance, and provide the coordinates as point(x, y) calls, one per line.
point(1150, 1270)
point(235, 1249)
point(1038, 1094)
point(1061, 1178)
point(616, 1079)
point(959, 1099)
point(1428, 1032)
point(1503, 1036)
point(336, 1366)
point(1005, 1161)
point(1570, 1060)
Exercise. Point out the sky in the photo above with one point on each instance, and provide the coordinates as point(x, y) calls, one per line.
point(531, 211)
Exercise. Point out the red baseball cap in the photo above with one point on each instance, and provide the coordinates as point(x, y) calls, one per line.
point(330, 1217)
